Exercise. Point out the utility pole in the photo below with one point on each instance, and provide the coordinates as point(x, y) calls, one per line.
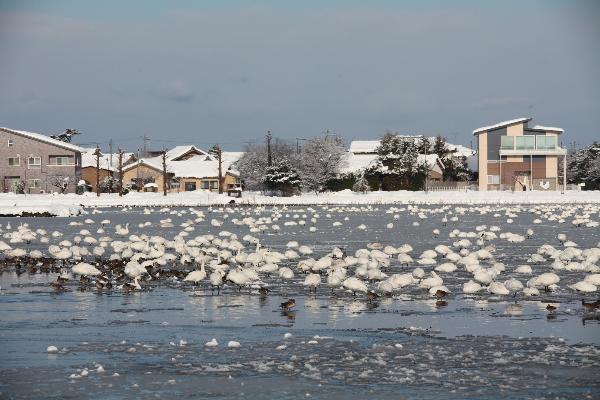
point(97, 154)
point(426, 165)
point(298, 144)
point(145, 139)
point(120, 172)
point(164, 165)
point(110, 163)
point(269, 156)
point(137, 169)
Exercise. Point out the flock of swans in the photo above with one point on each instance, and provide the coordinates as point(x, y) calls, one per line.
point(100, 254)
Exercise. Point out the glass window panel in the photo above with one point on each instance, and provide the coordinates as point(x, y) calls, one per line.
point(525, 142)
point(507, 143)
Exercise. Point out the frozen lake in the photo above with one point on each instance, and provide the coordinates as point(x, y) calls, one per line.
point(151, 343)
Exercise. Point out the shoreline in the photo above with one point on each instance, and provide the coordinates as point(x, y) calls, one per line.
point(72, 204)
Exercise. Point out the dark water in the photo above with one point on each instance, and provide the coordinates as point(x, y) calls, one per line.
point(341, 346)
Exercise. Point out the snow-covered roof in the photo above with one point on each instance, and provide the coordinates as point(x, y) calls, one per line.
point(500, 125)
point(88, 159)
point(548, 128)
point(44, 138)
point(153, 162)
point(364, 146)
point(179, 151)
point(460, 150)
point(229, 157)
point(196, 168)
point(356, 162)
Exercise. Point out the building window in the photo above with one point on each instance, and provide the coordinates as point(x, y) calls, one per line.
point(34, 162)
point(190, 186)
point(493, 179)
point(546, 142)
point(35, 183)
point(14, 161)
point(10, 143)
point(205, 185)
point(507, 143)
point(214, 184)
point(525, 142)
point(60, 160)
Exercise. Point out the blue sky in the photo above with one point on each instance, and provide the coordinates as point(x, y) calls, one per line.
point(227, 71)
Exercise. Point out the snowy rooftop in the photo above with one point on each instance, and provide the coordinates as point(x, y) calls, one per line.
point(370, 146)
point(356, 162)
point(44, 138)
point(179, 151)
point(500, 125)
point(197, 166)
point(360, 147)
point(548, 128)
point(88, 159)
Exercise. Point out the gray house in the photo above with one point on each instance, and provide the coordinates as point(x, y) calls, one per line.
point(35, 163)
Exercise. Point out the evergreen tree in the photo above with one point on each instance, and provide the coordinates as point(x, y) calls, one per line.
point(361, 184)
point(282, 176)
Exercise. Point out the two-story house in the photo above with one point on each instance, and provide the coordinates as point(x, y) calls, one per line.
point(513, 156)
point(35, 163)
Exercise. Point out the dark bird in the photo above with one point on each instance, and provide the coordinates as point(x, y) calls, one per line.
point(440, 293)
point(371, 295)
point(551, 308)
point(288, 305)
point(263, 291)
point(591, 306)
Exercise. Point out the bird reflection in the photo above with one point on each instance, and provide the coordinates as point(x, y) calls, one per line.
point(289, 314)
point(441, 303)
point(594, 317)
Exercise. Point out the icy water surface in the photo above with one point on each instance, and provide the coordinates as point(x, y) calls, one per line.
point(151, 344)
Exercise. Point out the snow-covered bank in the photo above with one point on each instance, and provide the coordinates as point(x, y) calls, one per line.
point(71, 204)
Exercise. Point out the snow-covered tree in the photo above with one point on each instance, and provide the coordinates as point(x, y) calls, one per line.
point(361, 184)
point(252, 166)
point(109, 185)
point(282, 176)
point(583, 166)
point(397, 165)
point(60, 182)
point(320, 162)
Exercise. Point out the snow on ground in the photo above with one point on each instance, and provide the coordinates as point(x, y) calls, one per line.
point(71, 204)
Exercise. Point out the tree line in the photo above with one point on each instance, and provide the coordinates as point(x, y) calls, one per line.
point(279, 168)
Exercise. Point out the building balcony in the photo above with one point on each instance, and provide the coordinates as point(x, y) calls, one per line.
point(557, 151)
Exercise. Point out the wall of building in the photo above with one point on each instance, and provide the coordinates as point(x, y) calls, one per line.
point(145, 174)
point(45, 174)
point(88, 174)
point(482, 160)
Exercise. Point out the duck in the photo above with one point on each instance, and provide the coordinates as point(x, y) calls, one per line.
point(288, 305)
point(590, 306)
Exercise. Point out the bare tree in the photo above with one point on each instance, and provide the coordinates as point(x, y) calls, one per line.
point(97, 154)
point(320, 161)
point(60, 182)
point(218, 154)
point(120, 172)
point(164, 171)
